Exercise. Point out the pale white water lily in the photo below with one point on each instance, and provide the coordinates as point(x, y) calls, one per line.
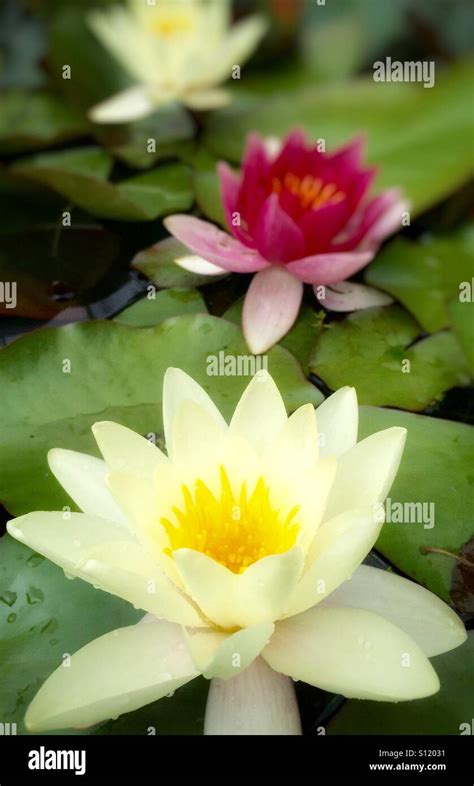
point(175, 50)
point(244, 546)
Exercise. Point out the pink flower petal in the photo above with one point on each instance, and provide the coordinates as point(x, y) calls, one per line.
point(349, 296)
point(270, 308)
point(329, 268)
point(255, 180)
point(387, 223)
point(292, 156)
point(209, 242)
point(368, 217)
point(230, 193)
point(277, 237)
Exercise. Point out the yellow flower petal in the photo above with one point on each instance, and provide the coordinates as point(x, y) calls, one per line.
point(338, 420)
point(353, 652)
point(431, 623)
point(338, 548)
point(366, 472)
point(260, 414)
point(259, 594)
point(116, 673)
point(126, 451)
point(84, 479)
point(218, 654)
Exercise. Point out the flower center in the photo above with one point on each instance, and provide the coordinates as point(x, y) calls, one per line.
point(310, 191)
point(233, 529)
point(168, 23)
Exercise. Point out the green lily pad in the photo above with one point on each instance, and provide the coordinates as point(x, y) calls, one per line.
point(372, 351)
point(447, 712)
point(150, 311)
point(43, 616)
point(436, 469)
point(158, 263)
point(462, 317)
point(406, 127)
point(300, 340)
point(424, 276)
point(81, 176)
point(35, 120)
point(116, 373)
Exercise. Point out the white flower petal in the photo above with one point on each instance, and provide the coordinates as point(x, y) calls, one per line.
point(366, 472)
point(197, 439)
point(196, 264)
point(116, 673)
point(218, 654)
point(350, 296)
point(229, 599)
point(338, 420)
point(178, 387)
point(260, 414)
point(83, 477)
point(431, 623)
point(66, 538)
point(338, 548)
point(240, 42)
point(125, 107)
point(259, 702)
point(353, 652)
point(126, 451)
point(212, 98)
point(295, 448)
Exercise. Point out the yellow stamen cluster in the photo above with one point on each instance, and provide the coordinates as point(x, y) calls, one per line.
point(233, 529)
point(171, 22)
point(311, 191)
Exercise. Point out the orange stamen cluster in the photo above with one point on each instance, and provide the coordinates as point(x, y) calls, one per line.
point(311, 191)
point(233, 529)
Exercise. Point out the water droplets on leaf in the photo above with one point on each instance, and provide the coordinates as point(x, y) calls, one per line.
point(34, 560)
point(34, 595)
point(8, 597)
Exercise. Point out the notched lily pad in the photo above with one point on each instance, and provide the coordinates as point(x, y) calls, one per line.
point(373, 350)
point(425, 276)
point(36, 120)
point(151, 311)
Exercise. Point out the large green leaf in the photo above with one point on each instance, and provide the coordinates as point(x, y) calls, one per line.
point(447, 712)
point(406, 127)
point(43, 616)
point(424, 276)
point(34, 120)
point(82, 175)
point(116, 373)
point(371, 350)
point(150, 311)
point(436, 469)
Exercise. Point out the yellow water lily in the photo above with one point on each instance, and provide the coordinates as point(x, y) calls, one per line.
point(243, 543)
point(175, 50)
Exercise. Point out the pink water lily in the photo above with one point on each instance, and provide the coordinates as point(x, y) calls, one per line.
point(297, 216)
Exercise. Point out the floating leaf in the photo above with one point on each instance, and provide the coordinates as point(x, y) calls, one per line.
point(424, 276)
point(462, 317)
point(106, 371)
point(148, 312)
point(435, 479)
point(35, 120)
point(81, 175)
point(372, 351)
